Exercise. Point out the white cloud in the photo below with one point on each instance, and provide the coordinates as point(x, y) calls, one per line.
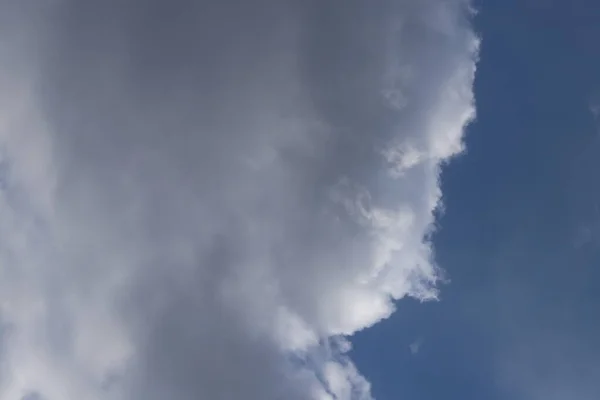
point(196, 199)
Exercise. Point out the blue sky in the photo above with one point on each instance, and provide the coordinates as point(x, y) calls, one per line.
point(519, 238)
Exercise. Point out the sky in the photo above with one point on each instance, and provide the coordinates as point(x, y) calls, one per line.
point(298, 199)
point(519, 236)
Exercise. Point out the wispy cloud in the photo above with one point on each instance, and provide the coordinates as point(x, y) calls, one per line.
point(416, 346)
point(195, 198)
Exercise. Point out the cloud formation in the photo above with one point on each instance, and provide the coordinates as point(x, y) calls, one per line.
point(204, 199)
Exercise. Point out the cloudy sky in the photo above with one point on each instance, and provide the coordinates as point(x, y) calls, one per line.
point(520, 237)
point(298, 199)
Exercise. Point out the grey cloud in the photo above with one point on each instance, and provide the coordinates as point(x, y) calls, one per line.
point(212, 195)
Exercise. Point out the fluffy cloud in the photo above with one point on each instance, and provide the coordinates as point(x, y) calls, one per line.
point(204, 199)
